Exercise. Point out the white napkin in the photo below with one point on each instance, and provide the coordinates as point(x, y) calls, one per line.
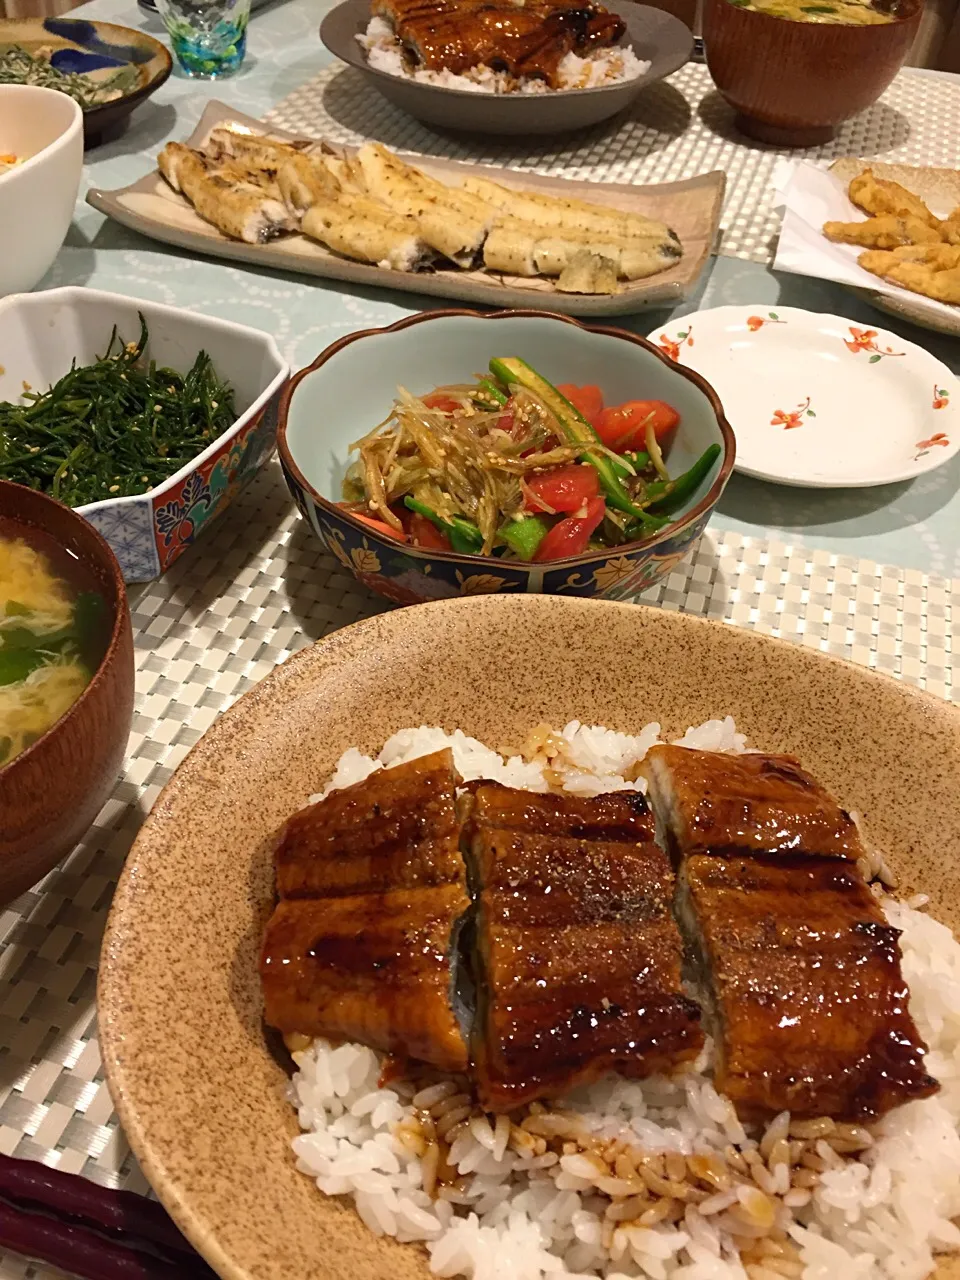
point(811, 196)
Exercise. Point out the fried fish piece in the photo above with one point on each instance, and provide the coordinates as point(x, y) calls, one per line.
point(950, 228)
point(879, 196)
point(885, 231)
point(717, 803)
point(241, 210)
point(936, 275)
point(918, 277)
point(946, 286)
point(803, 974)
point(941, 256)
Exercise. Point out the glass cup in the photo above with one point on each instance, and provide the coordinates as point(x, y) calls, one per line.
point(209, 37)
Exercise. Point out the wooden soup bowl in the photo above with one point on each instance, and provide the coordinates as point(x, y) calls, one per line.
point(793, 83)
point(52, 791)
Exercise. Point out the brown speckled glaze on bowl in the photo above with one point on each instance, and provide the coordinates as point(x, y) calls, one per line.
point(199, 1093)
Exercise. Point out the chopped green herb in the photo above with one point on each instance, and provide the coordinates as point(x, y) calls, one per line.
point(116, 427)
point(17, 66)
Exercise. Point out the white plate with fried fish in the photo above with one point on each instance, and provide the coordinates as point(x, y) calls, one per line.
point(883, 250)
point(242, 190)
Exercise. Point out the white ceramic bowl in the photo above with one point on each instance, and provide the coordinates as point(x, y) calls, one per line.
point(37, 198)
point(41, 333)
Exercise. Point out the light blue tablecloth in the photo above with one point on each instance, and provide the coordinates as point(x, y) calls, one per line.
point(915, 524)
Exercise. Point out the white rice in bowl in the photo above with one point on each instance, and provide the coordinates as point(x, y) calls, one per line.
point(600, 67)
point(654, 1178)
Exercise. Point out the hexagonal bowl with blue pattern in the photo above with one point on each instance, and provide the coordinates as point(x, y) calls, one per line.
point(41, 333)
point(351, 385)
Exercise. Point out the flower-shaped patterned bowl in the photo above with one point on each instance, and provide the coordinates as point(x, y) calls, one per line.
point(41, 333)
point(351, 385)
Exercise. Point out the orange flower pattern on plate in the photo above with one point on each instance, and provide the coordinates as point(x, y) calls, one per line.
point(866, 340)
point(781, 418)
point(672, 348)
point(939, 437)
point(757, 322)
point(941, 397)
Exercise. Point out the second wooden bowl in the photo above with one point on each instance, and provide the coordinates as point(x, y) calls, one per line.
point(793, 83)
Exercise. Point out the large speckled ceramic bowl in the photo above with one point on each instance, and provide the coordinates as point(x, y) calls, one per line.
point(351, 385)
point(202, 1100)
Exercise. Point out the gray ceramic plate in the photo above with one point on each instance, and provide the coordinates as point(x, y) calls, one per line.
point(656, 37)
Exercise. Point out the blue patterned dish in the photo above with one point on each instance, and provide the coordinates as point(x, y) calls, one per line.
point(41, 333)
point(350, 386)
point(98, 50)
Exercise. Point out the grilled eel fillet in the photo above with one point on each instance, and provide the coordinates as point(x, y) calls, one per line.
point(764, 803)
point(376, 208)
point(372, 886)
point(528, 39)
point(578, 952)
point(242, 209)
point(795, 959)
point(302, 179)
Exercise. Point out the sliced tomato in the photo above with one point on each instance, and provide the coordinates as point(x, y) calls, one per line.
point(563, 489)
point(424, 533)
point(586, 400)
point(624, 426)
point(439, 400)
point(569, 537)
point(506, 421)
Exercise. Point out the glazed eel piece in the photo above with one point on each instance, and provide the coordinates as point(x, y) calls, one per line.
point(528, 39)
point(796, 961)
point(578, 954)
point(372, 887)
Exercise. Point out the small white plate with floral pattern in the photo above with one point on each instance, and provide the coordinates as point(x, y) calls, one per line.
point(818, 401)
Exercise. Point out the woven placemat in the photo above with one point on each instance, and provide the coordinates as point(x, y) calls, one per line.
point(675, 130)
point(257, 588)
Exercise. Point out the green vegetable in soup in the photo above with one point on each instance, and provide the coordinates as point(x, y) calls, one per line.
point(51, 639)
point(842, 12)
